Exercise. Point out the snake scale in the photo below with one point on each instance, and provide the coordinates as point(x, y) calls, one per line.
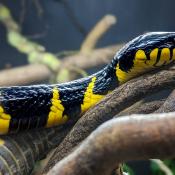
point(44, 106)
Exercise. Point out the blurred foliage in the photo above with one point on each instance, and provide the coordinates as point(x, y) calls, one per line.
point(128, 169)
point(156, 170)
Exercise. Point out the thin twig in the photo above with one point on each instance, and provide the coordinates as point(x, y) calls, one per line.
point(97, 32)
point(70, 13)
point(39, 7)
point(97, 57)
point(162, 166)
point(23, 12)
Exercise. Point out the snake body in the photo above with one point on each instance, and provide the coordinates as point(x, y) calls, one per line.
point(27, 107)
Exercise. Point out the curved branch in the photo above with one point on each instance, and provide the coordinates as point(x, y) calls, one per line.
point(142, 107)
point(169, 105)
point(97, 32)
point(121, 139)
point(121, 98)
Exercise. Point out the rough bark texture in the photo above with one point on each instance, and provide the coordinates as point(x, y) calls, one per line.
point(121, 98)
point(142, 107)
point(19, 152)
point(169, 105)
point(121, 139)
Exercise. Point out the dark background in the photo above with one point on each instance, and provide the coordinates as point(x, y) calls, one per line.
point(56, 30)
point(56, 27)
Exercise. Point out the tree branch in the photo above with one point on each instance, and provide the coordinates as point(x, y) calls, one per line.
point(169, 105)
point(142, 107)
point(24, 75)
point(121, 139)
point(121, 98)
point(97, 57)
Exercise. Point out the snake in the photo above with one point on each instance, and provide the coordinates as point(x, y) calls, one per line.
point(45, 106)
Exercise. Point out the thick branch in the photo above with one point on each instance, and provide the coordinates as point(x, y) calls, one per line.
point(24, 75)
point(118, 140)
point(169, 105)
point(121, 98)
point(142, 107)
point(97, 57)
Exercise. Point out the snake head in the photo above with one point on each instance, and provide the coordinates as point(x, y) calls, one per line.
point(144, 53)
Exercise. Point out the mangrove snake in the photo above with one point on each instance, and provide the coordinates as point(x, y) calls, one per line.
point(27, 107)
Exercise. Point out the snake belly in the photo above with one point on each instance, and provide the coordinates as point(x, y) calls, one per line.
point(27, 107)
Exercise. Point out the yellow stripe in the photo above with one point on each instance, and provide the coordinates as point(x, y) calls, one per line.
point(164, 56)
point(90, 99)
point(142, 64)
point(55, 116)
point(173, 54)
point(153, 55)
point(2, 142)
point(4, 121)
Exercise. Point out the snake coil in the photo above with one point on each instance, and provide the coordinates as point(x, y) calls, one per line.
point(27, 107)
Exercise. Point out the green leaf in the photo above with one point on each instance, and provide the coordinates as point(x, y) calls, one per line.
point(127, 169)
